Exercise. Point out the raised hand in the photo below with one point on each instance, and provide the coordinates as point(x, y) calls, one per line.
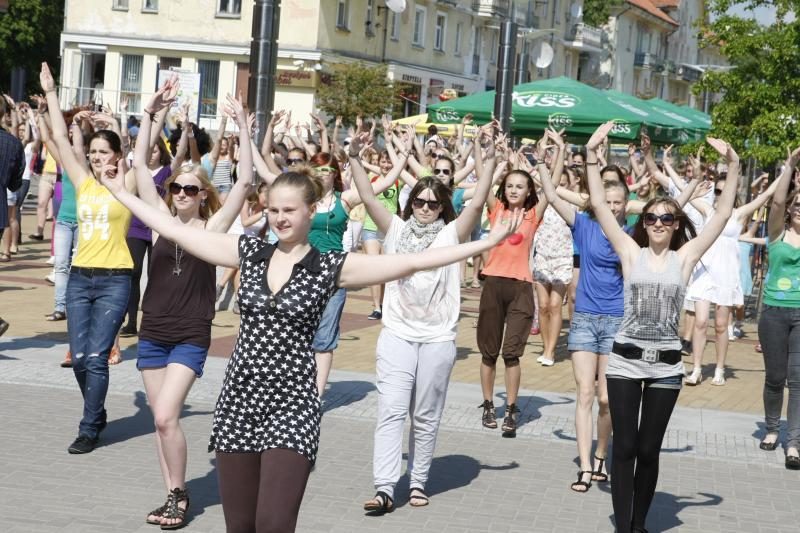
point(123, 104)
point(234, 110)
point(356, 143)
point(723, 148)
point(317, 121)
point(164, 96)
point(645, 143)
point(113, 177)
point(276, 118)
point(506, 225)
point(599, 135)
point(46, 79)
point(251, 122)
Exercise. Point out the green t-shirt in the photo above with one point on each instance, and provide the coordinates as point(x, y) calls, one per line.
point(67, 212)
point(389, 200)
point(782, 286)
point(327, 229)
point(630, 220)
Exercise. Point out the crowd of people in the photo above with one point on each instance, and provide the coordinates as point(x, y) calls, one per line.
point(627, 249)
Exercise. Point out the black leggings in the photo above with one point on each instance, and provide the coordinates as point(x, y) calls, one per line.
point(262, 492)
point(138, 248)
point(637, 445)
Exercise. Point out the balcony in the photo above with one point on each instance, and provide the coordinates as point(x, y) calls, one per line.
point(646, 60)
point(584, 37)
point(491, 8)
point(688, 73)
point(670, 68)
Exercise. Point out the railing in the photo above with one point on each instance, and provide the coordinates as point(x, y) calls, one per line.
point(649, 61)
point(688, 74)
point(670, 67)
point(584, 35)
point(491, 8)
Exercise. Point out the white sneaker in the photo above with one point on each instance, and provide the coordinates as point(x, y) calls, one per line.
point(719, 377)
point(546, 362)
point(51, 277)
point(731, 335)
point(52, 260)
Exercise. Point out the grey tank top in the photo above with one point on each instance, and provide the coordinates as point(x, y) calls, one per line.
point(653, 302)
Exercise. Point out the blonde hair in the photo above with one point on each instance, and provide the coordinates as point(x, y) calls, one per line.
point(211, 204)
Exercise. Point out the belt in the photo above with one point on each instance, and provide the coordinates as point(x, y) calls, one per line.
point(91, 272)
point(649, 355)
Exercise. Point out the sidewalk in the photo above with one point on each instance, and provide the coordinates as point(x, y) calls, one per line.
point(713, 477)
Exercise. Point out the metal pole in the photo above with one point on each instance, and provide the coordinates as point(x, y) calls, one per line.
point(505, 74)
point(263, 60)
point(522, 63)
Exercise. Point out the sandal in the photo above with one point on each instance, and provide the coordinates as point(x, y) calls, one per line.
point(581, 483)
point(769, 446)
point(174, 511)
point(598, 474)
point(382, 503)
point(114, 356)
point(56, 316)
point(158, 513)
point(510, 421)
point(4, 257)
point(694, 378)
point(489, 418)
point(420, 497)
point(719, 377)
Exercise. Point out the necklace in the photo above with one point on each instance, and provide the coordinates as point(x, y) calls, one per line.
point(177, 270)
point(329, 211)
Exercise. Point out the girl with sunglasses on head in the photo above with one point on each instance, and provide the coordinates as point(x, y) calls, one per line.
point(645, 370)
point(717, 281)
point(267, 419)
point(100, 276)
point(416, 349)
point(178, 304)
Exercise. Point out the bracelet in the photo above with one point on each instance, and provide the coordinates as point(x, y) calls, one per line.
point(595, 163)
point(151, 114)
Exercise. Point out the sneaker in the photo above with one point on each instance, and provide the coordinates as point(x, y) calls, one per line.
point(375, 315)
point(731, 336)
point(51, 277)
point(82, 444)
point(52, 260)
point(510, 421)
point(489, 417)
point(546, 362)
point(738, 332)
point(719, 377)
point(128, 330)
point(67, 362)
point(535, 328)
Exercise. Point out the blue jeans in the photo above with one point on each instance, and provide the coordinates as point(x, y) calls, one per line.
point(95, 308)
point(326, 338)
point(65, 243)
point(592, 333)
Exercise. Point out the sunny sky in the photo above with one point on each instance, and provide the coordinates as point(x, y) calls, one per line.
point(764, 15)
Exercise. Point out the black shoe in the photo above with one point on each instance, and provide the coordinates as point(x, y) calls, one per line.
point(35, 237)
point(82, 444)
point(375, 315)
point(510, 421)
point(792, 462)
point(3, 326)
point(686, 347)
point(128, 330)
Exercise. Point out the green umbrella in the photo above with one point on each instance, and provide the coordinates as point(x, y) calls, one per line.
point(558, 102)
point(703, 120)
point(667, 125)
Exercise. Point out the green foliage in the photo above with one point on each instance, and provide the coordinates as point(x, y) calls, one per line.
point(760, 110)
point(596, 12)
point(29, 34)
point(357, 89)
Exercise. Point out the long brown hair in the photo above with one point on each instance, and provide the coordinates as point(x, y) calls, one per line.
point(682, 234)
point(530, 201)
point(207, 208)
point(440, 191)
point(324, 159)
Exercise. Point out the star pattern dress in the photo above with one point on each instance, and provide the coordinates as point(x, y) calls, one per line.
point(269, 395)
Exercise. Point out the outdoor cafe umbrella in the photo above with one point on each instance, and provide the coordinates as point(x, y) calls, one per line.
point(445, 130)
point(668, 124)
point(560, 103)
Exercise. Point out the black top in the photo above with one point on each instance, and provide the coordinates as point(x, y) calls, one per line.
point(176, 308)
point(269, 396)
point(12, 166)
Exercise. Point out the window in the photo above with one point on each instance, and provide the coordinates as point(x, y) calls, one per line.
point(493, 48)
point(343, 15)
point(476, 50)
point(229, 8)
point(458, 39)
point(419, 26)
point(209, 82)
point(166, 63)
point(395, 26)
point(630, 35)
point(122, 5)
point(150, 6)
point(370, 29)
point(130, 83)
point(439, 32)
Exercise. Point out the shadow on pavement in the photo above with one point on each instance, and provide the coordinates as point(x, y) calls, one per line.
point(41, 341)
point(203, 491)
point(529, 407)
point(138, 424)
point(343, 393)
point(664, 510)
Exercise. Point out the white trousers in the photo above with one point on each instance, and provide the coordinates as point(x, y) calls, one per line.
point(412, 380)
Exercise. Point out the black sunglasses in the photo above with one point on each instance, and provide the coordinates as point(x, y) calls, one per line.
point(293, 161)
point(445, 171)
point(437, 156)
point(666, 219)
point(419, 203)
point(189, 190)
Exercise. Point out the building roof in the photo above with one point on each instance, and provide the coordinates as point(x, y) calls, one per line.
point(666, 3)
point(650, 7)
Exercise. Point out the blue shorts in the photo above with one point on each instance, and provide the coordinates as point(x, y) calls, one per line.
point(225, 188)
point(592, 333)
point(669, 382)
point(326, 338)
point(370, 235)
point(154, 354)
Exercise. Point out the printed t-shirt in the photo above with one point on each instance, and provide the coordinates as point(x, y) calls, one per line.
point(388, 199)
point(782, 285)
point(508, 260)
point(103, 223)
point(600, 289)
point(423, 307)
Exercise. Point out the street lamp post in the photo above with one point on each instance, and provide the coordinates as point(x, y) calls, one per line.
point(263, 61)
point(505, 74)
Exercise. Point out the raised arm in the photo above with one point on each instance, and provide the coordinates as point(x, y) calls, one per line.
point(558, 168)
point(650, 163)
point(776, 222)
point(360, 270)
point(746, 211)
point(183, 141)
point(564, 209)
point(623, 244)
point(692, 251)
point(266, 145)
point(324, 142)
point(214, 156)
point(472, 212)
point(77, 170)
point(145, 186)
point(380, 215)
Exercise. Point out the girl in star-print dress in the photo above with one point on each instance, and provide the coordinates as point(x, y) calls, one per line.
point(266, 424)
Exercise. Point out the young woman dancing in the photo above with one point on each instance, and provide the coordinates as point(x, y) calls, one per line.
point(644, 368)
point(416, 349)
point(100, 276)
point(779, 327)
point(178, 304)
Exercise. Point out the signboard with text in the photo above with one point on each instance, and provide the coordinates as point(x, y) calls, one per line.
point(189, 90)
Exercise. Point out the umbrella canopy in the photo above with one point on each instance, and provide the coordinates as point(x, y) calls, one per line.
point(703, 119)
point(667, 125)
point(560, 103)
point(445, 130)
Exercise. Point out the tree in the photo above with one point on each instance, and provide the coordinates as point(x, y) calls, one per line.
point(357, 89)
point(596, 12)
point(760, 109)
point(30, 33)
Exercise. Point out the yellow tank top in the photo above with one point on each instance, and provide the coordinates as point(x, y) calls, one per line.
point(50, 165)
point(102, 226)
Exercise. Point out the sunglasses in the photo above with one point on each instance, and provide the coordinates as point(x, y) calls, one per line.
point(667, 219)
point(293, 161)
point(419, 203)
point(717, 192)
point(437, 156)
point(445, 171)
point(325, 169)
point(188, 190)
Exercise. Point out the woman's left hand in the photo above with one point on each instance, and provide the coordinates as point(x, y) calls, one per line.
point(113, 177)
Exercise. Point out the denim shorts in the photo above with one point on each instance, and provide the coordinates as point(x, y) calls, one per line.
point(326, 338)
point(371, 235)
point(592, 333)
point(154, 354)
point(670, 382)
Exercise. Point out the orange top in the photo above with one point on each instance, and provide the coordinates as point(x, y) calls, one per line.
point(508, 260)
